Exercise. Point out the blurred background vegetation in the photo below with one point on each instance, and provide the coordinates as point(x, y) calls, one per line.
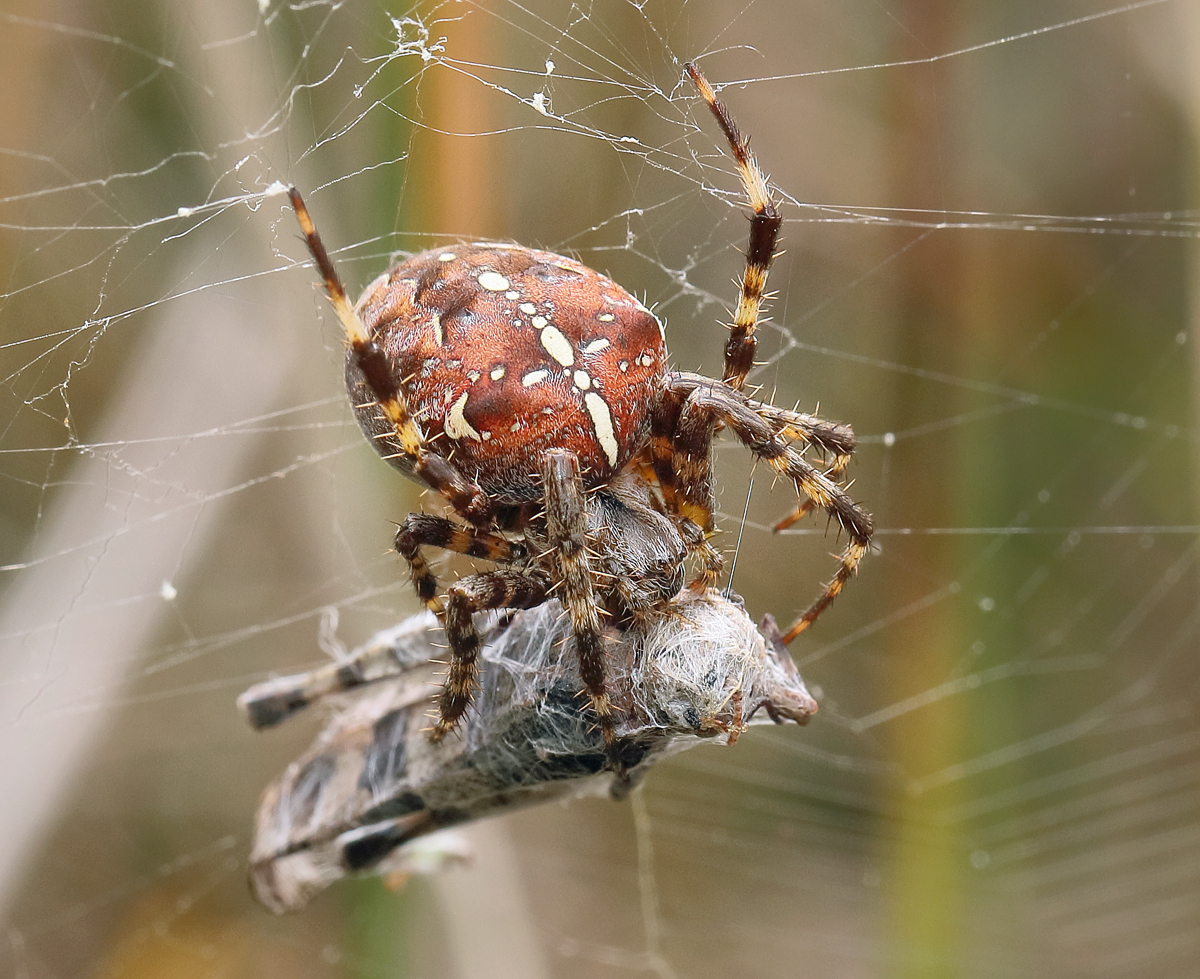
point(989, 257)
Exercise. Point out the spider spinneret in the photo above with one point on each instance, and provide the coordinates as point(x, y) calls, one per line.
point(533, 395)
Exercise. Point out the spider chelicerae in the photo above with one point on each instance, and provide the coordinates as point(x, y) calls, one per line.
point(533, 395)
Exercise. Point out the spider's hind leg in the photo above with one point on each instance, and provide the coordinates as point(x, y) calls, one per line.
point(386, 393)
point(682, 467)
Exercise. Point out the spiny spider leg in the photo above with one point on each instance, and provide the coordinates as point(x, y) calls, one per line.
point(465, 496)
point(764, 231)
point(477, 593)
point(742, 343)
point(712, 404)
point(825, 493)
point(835, 472)
point(661, 460)
point(830, 437)
point(798, 512)
point(566, 533)
point(427, 530)
point(659, 454)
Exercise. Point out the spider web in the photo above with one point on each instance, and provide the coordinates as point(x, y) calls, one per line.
point(988, 233)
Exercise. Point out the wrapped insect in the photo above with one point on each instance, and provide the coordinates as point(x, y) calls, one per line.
point(373, 784)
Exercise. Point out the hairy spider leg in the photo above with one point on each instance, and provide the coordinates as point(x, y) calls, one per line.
point(465, 496)
point(764, 232)
point(477, 593)
point(696, 521)
point(660, 460)
point(567, 534)
point(848, 562)
point(835, 472)
point(428, 530)
point(691, 468)
point(710, 404)
point(831, 438)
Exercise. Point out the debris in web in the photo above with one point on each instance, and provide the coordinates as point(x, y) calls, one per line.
point(371, 793)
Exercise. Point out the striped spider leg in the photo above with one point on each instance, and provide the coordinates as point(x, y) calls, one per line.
point(693, 409)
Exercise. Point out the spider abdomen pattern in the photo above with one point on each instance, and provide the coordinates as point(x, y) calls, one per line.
point(504, 352)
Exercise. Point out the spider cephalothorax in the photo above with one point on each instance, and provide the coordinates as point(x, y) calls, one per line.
point(532, 393)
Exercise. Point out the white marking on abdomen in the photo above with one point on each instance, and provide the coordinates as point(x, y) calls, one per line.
point(492, 281)
point(597, 407)
point(558, 346)
point(534, 377)
point(596, 346)
point(456, 425)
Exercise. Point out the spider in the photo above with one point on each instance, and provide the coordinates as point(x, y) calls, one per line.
point(533, 394)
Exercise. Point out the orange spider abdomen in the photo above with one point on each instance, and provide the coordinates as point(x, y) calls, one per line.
point(503, 352)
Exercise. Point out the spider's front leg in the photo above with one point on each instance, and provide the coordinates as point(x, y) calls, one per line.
point(477, 593)
point(764, 233)
point(567, 534)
